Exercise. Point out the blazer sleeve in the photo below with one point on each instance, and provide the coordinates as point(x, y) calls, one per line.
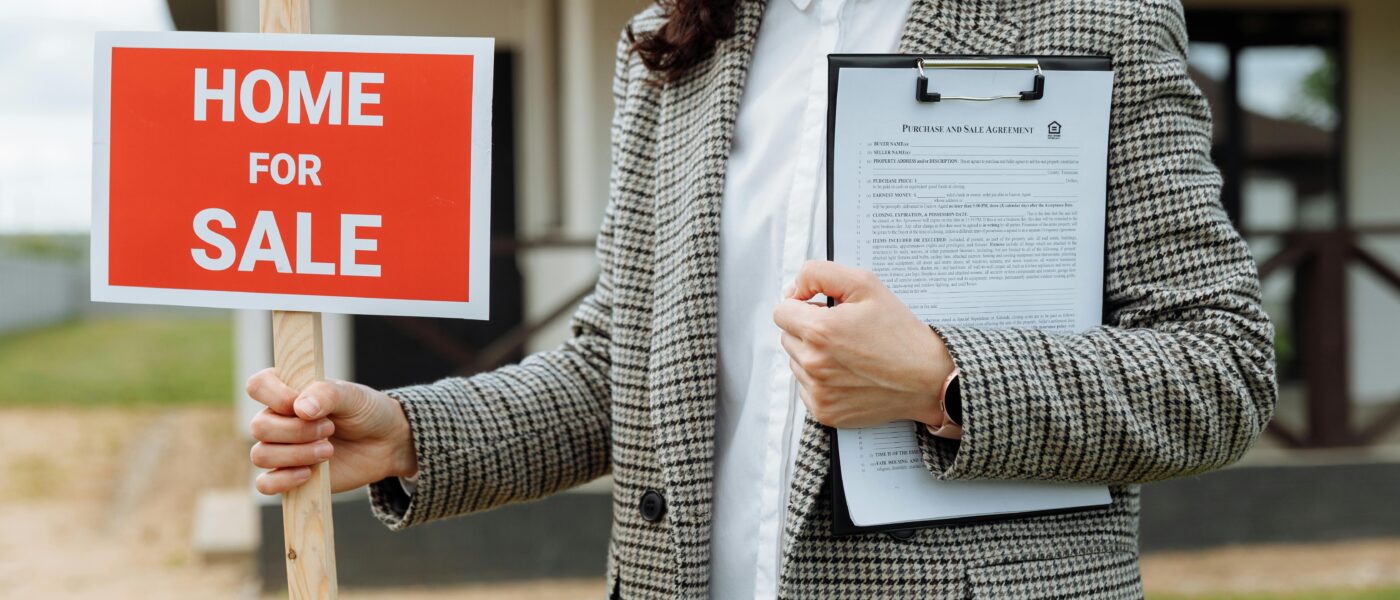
point(1182, 380)
point(523, 431)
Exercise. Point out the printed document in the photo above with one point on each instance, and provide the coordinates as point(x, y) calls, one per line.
point(980, 214)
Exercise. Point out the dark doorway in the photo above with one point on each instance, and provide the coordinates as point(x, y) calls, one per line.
point(396, 351)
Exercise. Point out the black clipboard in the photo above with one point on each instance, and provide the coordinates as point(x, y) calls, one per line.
point(926, 90)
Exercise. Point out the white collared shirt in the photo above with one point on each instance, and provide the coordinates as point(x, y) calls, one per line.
point(770, 223)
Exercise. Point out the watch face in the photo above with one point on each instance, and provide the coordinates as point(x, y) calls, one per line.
point(952, 400)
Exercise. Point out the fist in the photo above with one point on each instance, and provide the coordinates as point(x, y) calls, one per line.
point(866, 361)
point(363, 428)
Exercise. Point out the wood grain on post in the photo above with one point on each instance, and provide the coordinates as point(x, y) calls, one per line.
point(284, 16)
point(307, 527)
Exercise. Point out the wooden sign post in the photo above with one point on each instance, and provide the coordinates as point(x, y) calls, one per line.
point(299, 174)
point(308, 530)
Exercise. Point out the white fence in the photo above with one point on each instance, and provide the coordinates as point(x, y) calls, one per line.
point(36, 292)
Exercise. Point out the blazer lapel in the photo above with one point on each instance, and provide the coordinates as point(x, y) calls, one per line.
point(694, 135)
point(933, 27)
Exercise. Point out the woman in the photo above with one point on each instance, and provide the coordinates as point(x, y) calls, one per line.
point(704, 387)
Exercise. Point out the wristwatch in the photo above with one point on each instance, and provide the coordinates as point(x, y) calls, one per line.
point(951, 396)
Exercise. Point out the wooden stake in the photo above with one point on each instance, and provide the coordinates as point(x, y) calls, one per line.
point(307, 527)
point(284, 16)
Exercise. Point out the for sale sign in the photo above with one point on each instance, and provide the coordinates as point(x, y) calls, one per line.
point(322, 173)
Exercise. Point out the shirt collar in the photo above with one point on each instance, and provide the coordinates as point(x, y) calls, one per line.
point(802, 4)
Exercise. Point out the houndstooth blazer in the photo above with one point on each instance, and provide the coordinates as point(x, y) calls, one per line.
point(1180, 382)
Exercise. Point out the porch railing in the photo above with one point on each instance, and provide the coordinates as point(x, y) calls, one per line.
point(1320, 260)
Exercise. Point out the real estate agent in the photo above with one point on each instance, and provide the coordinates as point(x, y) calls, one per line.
point(700, 379)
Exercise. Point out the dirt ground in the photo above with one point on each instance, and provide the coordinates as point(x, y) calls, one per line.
point(99, 504)
point(74, 523)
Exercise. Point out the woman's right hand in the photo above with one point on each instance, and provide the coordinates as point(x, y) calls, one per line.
point(363, 428)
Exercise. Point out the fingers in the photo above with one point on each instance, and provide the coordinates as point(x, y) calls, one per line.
point(801, 354)
point(791, 345)
point(279, 481)
point(268, 426)
point(826, 277)
point(804, 379)
point(806, 397)
point(267, 389)
point(799, 318)
point(276, 456)
point(319, 400)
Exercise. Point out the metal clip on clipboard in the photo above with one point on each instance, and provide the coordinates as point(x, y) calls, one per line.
point(923, 95)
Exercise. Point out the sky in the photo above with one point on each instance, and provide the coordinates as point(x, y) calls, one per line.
point(46, 105)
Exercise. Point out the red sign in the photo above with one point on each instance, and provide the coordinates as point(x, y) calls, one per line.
point(321, 173)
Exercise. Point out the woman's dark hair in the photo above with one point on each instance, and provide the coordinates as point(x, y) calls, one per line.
point(691, 30)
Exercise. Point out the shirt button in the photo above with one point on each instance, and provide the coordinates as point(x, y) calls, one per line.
point(652, 506)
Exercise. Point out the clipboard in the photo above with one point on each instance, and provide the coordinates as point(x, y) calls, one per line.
point(925, 88)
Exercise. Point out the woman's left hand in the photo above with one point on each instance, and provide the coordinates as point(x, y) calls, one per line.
point(866, 361)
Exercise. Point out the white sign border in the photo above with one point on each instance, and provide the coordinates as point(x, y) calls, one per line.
point(483, 66)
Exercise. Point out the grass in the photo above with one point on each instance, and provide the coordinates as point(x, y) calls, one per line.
point(1375, 594)
point(52, 246)
point(119, 361)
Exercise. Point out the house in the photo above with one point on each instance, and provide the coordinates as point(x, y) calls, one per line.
point(1308, 187)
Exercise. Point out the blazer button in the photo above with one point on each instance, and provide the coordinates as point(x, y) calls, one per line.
point(652, 506)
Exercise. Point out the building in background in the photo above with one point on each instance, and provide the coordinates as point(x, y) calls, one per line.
point(1305, 134)
point(1303, 93)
